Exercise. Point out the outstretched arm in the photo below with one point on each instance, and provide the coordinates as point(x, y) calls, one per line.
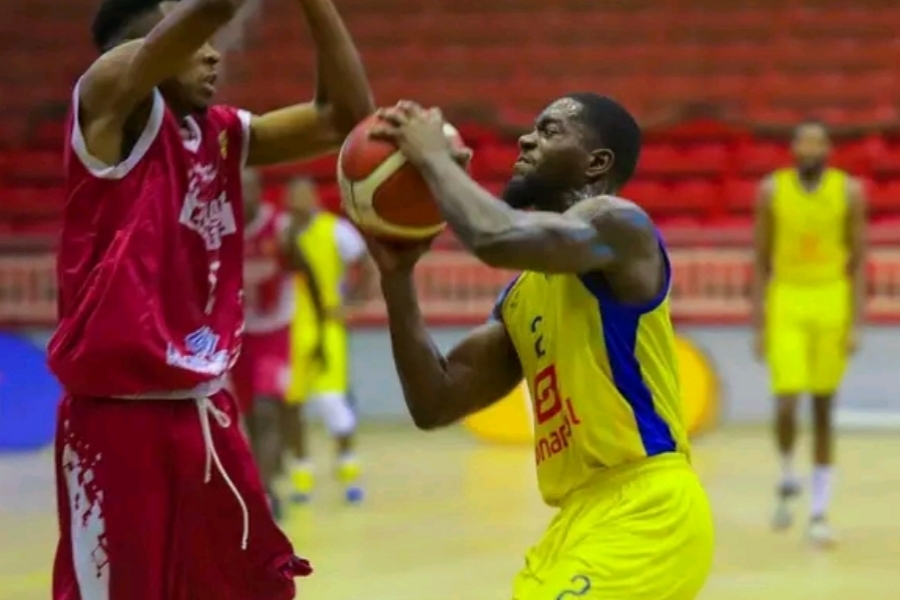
point(343, 97)
point(122, 80)
point(593, 235)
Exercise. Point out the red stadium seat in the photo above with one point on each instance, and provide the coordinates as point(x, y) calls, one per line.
point(858, 156)
point(739, 195)
point(887, 162)
point(36, 166)
point(884, 198)
point(697, 196)
point(30, 202)
point(759, 158)
point(660, 160)
point(494, 162)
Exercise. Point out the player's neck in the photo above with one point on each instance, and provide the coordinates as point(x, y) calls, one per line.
point(591, 190)
point(810, 178)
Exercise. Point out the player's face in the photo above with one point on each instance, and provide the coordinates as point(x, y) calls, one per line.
point(811, 147)
point(193, 89)
point(552, 159)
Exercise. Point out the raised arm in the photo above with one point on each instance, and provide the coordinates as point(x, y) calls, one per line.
point(857, 242)
point(595, 234)
point(762, 261)
point(122, 80)
point(441, 389)
point(599, 233)
point(343, 97)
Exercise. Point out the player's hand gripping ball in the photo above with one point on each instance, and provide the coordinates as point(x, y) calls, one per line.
point(382, 190)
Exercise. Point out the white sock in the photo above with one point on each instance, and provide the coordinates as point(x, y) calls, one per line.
point(821, 490)
point(787, 469)
point(346, 457)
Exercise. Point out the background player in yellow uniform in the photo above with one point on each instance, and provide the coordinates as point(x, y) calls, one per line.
point(587, 324)
point(332, 247)
point(808, 303)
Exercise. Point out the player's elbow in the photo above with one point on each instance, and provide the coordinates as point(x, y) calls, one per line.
point(346, 112)
point(429, 412)
point(427, 420)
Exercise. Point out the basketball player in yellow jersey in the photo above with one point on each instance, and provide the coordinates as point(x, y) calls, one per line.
point(587, 324)
point(332, 247)
point(808, 302)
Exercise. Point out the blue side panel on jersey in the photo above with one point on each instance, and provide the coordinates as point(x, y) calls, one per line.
point(497, 311)
point(620, 328)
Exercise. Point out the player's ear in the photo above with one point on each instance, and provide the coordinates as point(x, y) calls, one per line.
point(600, 162)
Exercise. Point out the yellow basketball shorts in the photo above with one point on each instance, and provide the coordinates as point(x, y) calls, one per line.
point(806, 336)
point(644, 532)
point(308, 376)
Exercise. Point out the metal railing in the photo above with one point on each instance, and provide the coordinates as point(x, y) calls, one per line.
point(710, 285)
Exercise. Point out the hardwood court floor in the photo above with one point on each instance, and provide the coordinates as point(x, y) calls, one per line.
point(448, 518)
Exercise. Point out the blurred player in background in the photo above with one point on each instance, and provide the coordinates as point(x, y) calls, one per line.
point(262, 372)
point(157, 493)
point(587, 324)
point(333, 248)
point(808, 303)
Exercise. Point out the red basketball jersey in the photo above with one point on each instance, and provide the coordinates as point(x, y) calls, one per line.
point(150, 261)
point(268, 286)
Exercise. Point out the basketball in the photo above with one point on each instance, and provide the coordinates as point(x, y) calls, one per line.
point(381, 192)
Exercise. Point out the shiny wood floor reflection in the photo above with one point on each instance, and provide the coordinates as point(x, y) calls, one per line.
point(449, 518)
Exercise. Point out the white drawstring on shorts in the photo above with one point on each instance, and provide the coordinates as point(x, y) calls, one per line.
point(206, 408)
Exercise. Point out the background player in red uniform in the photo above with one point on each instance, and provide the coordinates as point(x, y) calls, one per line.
point(158, 496)
point(262, 371)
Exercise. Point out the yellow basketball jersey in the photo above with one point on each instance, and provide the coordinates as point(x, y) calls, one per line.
point(602, 375)
point(319, 243)
point(809, 237)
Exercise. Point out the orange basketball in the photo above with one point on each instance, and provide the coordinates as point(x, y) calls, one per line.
point(381, 192)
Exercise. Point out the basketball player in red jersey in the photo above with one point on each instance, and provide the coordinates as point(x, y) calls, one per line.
point(261, 373)
point(158, 495)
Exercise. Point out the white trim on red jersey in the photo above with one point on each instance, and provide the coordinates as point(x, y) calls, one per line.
point(97, 167)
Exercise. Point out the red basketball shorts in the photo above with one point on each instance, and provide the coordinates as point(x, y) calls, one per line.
point(161, 500)
point(263, 368)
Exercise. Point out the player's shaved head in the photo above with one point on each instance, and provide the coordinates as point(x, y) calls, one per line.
point(583, 144)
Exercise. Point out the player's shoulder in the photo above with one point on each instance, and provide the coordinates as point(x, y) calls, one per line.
point(227, 116)
point(612, 210)
point(615, 218)
point(855, 187)
point(105, 73)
